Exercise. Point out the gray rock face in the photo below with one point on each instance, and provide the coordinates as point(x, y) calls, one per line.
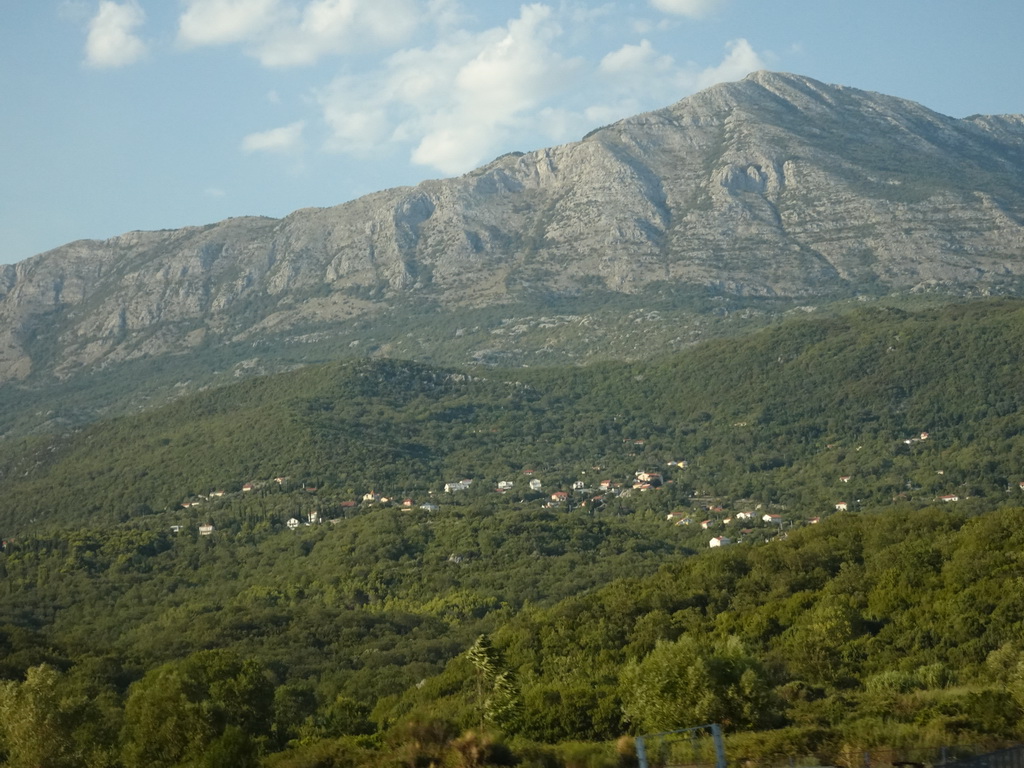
point(776, 186)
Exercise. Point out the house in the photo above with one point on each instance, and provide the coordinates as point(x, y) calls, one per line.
point(428, 507)
point(705, 524)
point(504, 485)
point(535, 485)
point(949, 497)
point(217, 494)
point(769, 518)
point(744, 515)
point(372, 496)
point(814, 520)
point(280, 480)
point(559, 496)
point(654, 478)
point(248, 487)
point(719, 541)
point(407, 502)
point(605, 485)
point(175, 529)
point(205, 530)
point(458, 485)
point(845, 478)
point(841, 506)
point(579, 485)
point(314, 518)
point(292, 523)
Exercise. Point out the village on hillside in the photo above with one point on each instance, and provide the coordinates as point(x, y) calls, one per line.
point(725, 521)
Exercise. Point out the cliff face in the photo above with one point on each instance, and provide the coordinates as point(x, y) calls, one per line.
point(774, 186)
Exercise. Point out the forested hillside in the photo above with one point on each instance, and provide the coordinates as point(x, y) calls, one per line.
point(777, 417)
point(344, 608)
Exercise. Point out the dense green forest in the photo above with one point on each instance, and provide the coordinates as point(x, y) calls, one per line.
point(345, 609)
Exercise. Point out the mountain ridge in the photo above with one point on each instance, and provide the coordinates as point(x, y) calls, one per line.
point(776, 187)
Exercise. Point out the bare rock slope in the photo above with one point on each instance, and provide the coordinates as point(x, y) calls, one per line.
point(774, 186)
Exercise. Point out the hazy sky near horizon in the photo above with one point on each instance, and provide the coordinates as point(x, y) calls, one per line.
point(118, 115)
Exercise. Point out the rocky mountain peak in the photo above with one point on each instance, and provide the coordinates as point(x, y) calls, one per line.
point(776, 186)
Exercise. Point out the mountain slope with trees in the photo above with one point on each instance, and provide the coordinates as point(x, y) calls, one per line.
point(776, 416)
point(738, 203)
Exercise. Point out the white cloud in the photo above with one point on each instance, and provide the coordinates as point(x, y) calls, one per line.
point(634, 59)
point(695, 9)
point(111, 41)
point(329, 27)
point(218, 22)
point(459, 102)
point(284, 33)
point(445, 14)
point(739, 62)
point(281, 139)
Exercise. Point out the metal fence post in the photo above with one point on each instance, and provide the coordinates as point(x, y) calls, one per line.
point(641, 752)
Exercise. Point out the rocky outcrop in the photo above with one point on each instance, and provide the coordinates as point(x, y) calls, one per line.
point(776, 185)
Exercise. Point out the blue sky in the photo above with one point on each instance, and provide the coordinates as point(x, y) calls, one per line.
point(149, 114)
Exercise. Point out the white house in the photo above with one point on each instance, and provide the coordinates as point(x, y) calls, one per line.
point(719, 541)
point(292, 523)
point(535, 485)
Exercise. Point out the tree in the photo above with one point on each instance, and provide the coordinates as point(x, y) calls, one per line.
point(37, 722)
point(691, 682)
point(497, 695)
point(178, 710)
